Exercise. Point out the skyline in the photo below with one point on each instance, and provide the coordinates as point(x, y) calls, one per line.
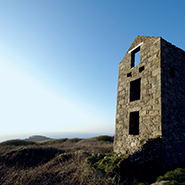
point(59, 60)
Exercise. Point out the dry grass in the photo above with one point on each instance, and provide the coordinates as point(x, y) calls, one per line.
point(78, 161)
point(53, 163)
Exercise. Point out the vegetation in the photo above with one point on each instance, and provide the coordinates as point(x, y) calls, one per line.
point(56, 141)
point(104, 138)
point(176, 176)
point(79, 161)
point(17, 142)
point(60, 141)
point(38, 139)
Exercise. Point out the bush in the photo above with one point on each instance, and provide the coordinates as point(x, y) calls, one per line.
point(29, 156)
point(104, 138)
point(106, 162)
point(56, 141)
point(61, 141)
point(17, 142)
point(74, 140)
point(175, 176)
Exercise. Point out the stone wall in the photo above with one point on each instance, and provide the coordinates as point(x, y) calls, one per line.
point(149, 103)
point(173, 104)
point(151, 99)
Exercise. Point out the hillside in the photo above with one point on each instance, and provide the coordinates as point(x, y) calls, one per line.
point(38, 139)
point(82, 161)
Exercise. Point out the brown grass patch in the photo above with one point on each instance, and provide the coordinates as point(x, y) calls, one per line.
point(56, 163)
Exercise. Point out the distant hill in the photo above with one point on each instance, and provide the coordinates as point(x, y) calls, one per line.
point(39, 139)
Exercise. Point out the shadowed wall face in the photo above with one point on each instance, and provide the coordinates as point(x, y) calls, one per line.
point(173, 104)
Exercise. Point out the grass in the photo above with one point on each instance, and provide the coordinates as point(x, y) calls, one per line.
point(17, 142)
point(38, 139)
point(52, 163)
point(104, 138)
point(80, 161)
point(64, 140)
point(176, 176)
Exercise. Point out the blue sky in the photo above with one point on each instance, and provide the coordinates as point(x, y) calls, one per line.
point(59, 60)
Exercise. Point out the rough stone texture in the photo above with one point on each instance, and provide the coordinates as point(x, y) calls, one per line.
point(144, 165)
point(161, 104)
point(173, 104)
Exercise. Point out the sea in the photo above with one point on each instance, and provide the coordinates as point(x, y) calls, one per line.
point(54, 135)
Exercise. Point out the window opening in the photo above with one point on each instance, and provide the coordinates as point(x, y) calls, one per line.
point(134, 123)
point(135, 57)
point(172, 72)
point(135, 89)
point(141, 69)
point(129, 74)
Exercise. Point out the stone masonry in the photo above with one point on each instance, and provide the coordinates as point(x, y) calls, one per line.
point(150, 99)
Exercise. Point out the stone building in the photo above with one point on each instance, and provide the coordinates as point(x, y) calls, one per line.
point(151, 98)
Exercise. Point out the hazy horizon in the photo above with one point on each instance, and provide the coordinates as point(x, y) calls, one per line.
point(56, 135)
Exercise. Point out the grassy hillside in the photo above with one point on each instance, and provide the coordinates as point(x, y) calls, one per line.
point(104, 138)
point(16, 142)
point(80, 161)
point(38, 139)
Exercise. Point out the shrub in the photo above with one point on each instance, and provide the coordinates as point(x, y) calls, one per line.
point(17, 142)
point(106, 162)
point(56, 141)
point(175, 176)
point(74, 140)
point(104, 138)
point(29, 156)
point(61, 141)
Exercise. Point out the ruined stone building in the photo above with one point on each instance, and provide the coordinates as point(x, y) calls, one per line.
point(151, 98)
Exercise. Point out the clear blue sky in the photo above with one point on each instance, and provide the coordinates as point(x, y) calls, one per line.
point(59, 60)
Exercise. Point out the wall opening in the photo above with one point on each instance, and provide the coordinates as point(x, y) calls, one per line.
point(135, 57)
point(134, 123)
point(135, 87)
point(141, 69)
point(172, 72)
point(129, 74)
